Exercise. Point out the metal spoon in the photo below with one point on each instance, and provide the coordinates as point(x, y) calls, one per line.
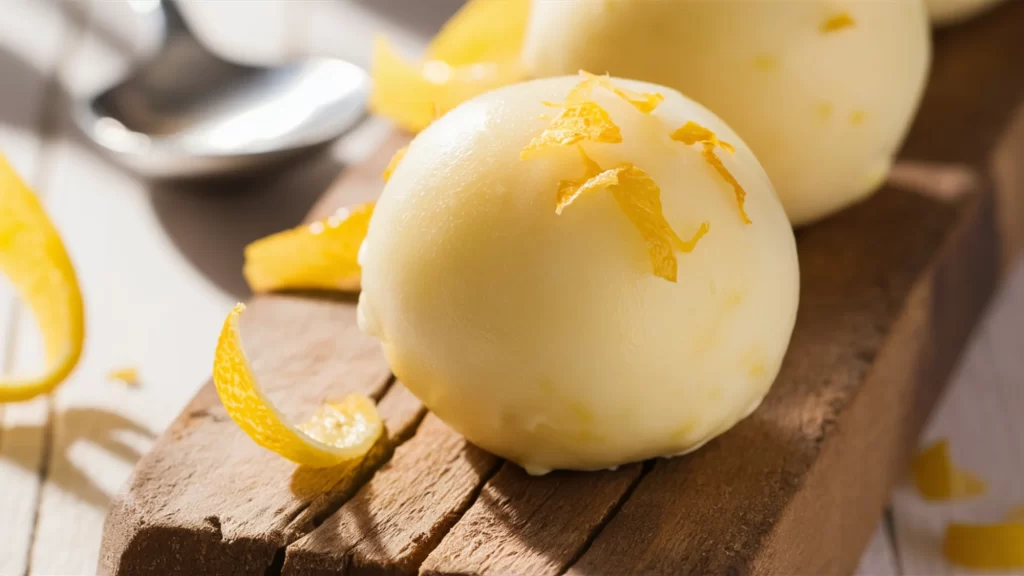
point(186, 112)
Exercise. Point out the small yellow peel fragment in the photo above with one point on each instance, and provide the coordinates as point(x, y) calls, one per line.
point(936, 478)
point(336, 433)
point(576, 122)
point(394, 162)
point(837, 22)
point(33, 258)
point(127, 375)
point(645, 102)
point(639, 198)
point(986, 546)
point(318, 256)
point(693, 133)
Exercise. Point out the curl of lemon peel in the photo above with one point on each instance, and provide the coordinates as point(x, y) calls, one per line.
point(476, 51)
point(937, 478)
point(837, 22)
point(575, 123)
point(318, 256)
point(639, 198)
point(338, 432)
point(394, 162)
point(35, 261)
point(693, 133)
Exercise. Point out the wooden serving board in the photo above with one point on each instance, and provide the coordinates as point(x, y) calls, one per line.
point(890, 290)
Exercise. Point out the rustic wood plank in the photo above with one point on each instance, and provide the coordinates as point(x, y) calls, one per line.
point(979, 416)
point(829, 418)
point(393, 522)
point(246, 503)
point(30, 44)
point(528, 525)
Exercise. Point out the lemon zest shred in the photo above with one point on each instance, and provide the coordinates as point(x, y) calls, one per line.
point(937, 478)
point(575, 123)
point(127, 374)
point(997, 546)
point(693, 133)
point(639, 198)
point(837, 22)
point(645, 102)
point(393, 163)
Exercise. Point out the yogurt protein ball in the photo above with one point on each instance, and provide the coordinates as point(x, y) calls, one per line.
point(823, 91)
point(548, 338)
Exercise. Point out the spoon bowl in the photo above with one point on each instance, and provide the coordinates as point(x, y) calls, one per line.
point(187, 112)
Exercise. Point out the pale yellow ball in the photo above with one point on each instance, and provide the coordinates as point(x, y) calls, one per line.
point(823, 91)
point(953, 11)
point(546, 338)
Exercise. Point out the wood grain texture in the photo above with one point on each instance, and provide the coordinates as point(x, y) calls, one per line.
point(891, 289)
point(191, 509)
point(394, 521)
point(851, 396)
point(531, 525)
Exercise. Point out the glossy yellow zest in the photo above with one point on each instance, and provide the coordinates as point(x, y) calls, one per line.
point(576, 123)
point(35, 261)
point(319, 256)
point(639, 198)
point(837, 22)
point(645, 102)
point(986, 546)
point(394, 162)
point(336, 433)
point(936, 477)
point(127, 375)
point(482, 31)
point(693, 133)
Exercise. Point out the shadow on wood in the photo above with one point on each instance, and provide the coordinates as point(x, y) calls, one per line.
point(90, 425)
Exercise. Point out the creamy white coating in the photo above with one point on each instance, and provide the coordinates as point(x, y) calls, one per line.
point(824, 101)
point(546, 338)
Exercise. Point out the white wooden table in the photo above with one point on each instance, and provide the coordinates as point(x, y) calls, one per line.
point(160, 265)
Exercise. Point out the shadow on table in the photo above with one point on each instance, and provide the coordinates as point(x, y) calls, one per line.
point(211, 221)
point(103, 429)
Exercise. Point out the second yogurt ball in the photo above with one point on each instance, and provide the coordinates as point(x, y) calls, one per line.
point(823, 92)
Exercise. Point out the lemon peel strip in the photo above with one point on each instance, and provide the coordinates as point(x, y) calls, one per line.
point(413, 95)
point(394, 162)
point(336, 433)
point(837, 22)
point(938, 479)
point(476, 51)
point(639, 198)
point(35, 261)
point(985, 546)
point(575, 123)
point(693, 133)
point(645, 102)
point(319, 256)
point(482, 31)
